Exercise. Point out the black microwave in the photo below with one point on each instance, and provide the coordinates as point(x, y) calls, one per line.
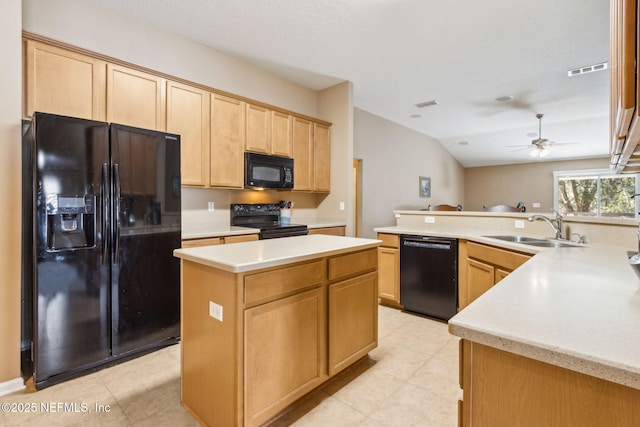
point(262, 171)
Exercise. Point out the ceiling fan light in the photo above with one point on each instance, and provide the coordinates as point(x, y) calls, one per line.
point(539, 152)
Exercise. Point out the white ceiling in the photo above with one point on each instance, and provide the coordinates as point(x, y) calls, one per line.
point(397, 53)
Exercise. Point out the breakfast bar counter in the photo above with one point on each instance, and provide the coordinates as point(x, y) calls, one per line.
point(265, 322)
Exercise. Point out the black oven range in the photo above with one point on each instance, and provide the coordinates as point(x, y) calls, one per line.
point(266, 217)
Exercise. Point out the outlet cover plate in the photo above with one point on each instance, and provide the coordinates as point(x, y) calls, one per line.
point(215, 310)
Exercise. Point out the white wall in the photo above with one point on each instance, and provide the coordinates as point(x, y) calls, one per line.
point(525, 182)
point(393, 159)
point(336, 106)
point(10, 184)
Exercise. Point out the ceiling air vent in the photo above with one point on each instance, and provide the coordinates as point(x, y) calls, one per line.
point(588, 69)
point(427, 103)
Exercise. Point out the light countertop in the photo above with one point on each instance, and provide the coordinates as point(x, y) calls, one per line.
point(578, 308)
point(204, 230)
point(255, 255)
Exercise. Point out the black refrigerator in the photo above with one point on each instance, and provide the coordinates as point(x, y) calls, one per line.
point(101, 218)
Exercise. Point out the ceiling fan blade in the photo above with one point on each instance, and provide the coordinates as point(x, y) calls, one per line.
point(522, 149)
point(564, 143)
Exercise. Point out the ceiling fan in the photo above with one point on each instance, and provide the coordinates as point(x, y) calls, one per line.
point(540, 147)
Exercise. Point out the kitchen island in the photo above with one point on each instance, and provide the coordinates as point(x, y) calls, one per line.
point(265, 322)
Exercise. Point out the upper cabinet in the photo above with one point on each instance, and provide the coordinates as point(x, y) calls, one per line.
point(281, 134)
point(227, 142)
point(62, 82)
point(311, 156)
point(624, 116)
point(321, 157)
point(302, 154)
point(268, 131)
point(258, 125)
point(215, 129)
point(188, 115)
point(135, 98)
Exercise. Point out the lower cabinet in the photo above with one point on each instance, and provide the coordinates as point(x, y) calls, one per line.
point(505, 389)
point(353, 320)
point(480, 278)
point(284, 354)
point(333, 231)
point(481, 267)
point(389, 269)
point(236, 238)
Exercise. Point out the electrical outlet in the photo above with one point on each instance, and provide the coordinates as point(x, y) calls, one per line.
point(430, 219)
point(215, 310)
point(519, 223)
point(397, 215)
point(535, 205)
point(211, 206)
point(341, 206)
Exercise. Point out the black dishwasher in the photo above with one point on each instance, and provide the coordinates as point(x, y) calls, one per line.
point(429, 275)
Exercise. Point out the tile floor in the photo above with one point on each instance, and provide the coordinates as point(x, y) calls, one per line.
point(411, 379)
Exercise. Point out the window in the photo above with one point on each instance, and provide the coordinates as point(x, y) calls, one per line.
point(597, 193)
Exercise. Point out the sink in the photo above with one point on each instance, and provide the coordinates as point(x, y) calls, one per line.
point(532, 241)
point(516, 239)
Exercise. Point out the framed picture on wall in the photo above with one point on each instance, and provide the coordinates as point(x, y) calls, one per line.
point(425, 186)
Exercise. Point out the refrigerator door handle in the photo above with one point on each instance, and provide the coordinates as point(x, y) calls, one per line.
point(106, 223)
point(116, 213)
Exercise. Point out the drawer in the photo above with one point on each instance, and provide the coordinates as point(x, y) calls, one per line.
point(240, 238)
point(333, 231)
point(201, 242)
point(496, 256)
point(270, 285)
point(389, 240)
point(348, 265)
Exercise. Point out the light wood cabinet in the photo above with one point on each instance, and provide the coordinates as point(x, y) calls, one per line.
point(240, 238)
point(135, 98)
point(321, 158)
point(215, 129)
point(193, 243)
point(353, 325)
point(480, 278)
point(482, 266)
point(285, 331)
point(223, 240)
point(285, 352)
point(333, 231)
point(302, 154)
point(505, 389)
point(624, 116)
point(61, 82)
point(389, 269)
point(281, 134)
point(188, 115)
point(311, 155)
point(268, 131)
point(227, 142)
point(258, 128)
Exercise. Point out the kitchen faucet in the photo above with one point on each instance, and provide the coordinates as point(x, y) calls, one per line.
point(557, 227)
